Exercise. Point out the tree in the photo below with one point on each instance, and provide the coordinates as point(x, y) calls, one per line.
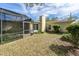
point(54, 18)
point(71, 17)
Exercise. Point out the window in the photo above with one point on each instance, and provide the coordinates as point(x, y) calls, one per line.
point(49, 27)
point(35, 26)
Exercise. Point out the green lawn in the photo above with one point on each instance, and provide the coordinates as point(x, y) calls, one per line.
point(39, 44)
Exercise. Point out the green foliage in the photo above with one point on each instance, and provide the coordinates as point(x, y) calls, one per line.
point(73, 29)
point(56, 28)
point(73, 36)
point(66, 37)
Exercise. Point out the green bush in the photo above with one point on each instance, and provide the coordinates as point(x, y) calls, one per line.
point(56, 28)
point(66, 37)
point(73, 29)
point(73, 36)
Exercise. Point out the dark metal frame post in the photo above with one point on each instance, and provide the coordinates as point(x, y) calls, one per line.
point(23, 28)
point(1, 28)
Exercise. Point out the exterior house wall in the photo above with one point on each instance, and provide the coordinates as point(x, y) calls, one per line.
point(31, 26)
point(63, 24)
point(42, 23)
point(49, 27)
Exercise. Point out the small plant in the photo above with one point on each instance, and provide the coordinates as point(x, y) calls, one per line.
point(56, 28)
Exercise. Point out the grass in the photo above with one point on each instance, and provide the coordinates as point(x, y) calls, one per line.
point(36, 45)
point(10, 38)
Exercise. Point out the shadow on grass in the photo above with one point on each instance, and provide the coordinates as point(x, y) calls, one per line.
point(63, 50)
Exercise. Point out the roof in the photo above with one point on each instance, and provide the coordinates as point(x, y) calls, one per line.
point(14, 13)
point(11, 12)
point(58, 22)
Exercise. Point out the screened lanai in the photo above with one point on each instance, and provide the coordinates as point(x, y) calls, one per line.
point(13, 25)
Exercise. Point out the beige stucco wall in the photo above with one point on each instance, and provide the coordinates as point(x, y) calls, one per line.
point(42, 23)
point(31, 26)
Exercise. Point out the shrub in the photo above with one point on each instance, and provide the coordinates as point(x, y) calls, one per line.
point(73, 36)
point(66, 37)
point(56, 28)
point(73, 29)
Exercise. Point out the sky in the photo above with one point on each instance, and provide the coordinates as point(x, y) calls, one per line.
point(51, 10)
